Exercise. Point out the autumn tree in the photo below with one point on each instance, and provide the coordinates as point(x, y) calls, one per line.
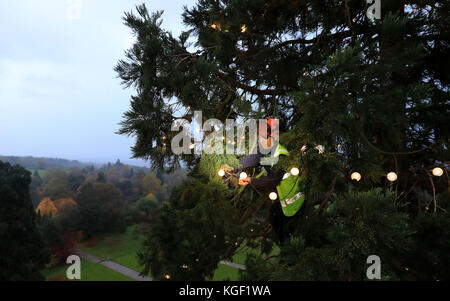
point(47, 207)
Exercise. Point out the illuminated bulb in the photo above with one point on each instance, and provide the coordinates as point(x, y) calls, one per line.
point(295, 171)
point(167, 276)
point(243, 28)
point(320, 149)
point(356, 176)
point(392, 176)
point(243, 175)
point(164, 137)
point(213, 26)
point(188, 108)
point(221, 173)
point(438, 172)
point(273, 196)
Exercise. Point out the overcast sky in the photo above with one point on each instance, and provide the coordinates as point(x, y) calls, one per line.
point(59, 95)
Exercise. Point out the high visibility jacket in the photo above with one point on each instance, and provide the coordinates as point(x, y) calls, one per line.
point(291, 188)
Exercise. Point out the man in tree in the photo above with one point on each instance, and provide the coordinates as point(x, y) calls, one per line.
point(284, 189)
point(22, 252)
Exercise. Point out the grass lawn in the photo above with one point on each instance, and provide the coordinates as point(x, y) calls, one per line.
point(120, 248)
point(40, 171)
point(89, 272)
point(225, 272)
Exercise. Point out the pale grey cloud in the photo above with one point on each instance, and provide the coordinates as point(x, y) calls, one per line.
point(59, 95)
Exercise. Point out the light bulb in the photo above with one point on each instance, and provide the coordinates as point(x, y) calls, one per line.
point(221, 173)
point(167, 276)
point(295, 171)
point(392, 176)
point(437, 172)
point(273, 196)
point(356, 176)
point(243, 175)
point(320, 149)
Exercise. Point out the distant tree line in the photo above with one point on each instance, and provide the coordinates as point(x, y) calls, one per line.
point(42, 163)
point(63, 206)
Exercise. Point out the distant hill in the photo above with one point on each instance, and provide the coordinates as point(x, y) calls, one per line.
point(43, 163)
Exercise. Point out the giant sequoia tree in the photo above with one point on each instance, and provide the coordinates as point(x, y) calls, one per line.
point(23, 253)
point(374, 93)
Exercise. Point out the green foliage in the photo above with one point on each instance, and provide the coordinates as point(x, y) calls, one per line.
point(23, 253)
point(55, 184)
point(147, 204)
point(357, 225)
point(194, 230)
point(429, 257)
point(210, 164)
point(100, 208)
point(152, 184)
